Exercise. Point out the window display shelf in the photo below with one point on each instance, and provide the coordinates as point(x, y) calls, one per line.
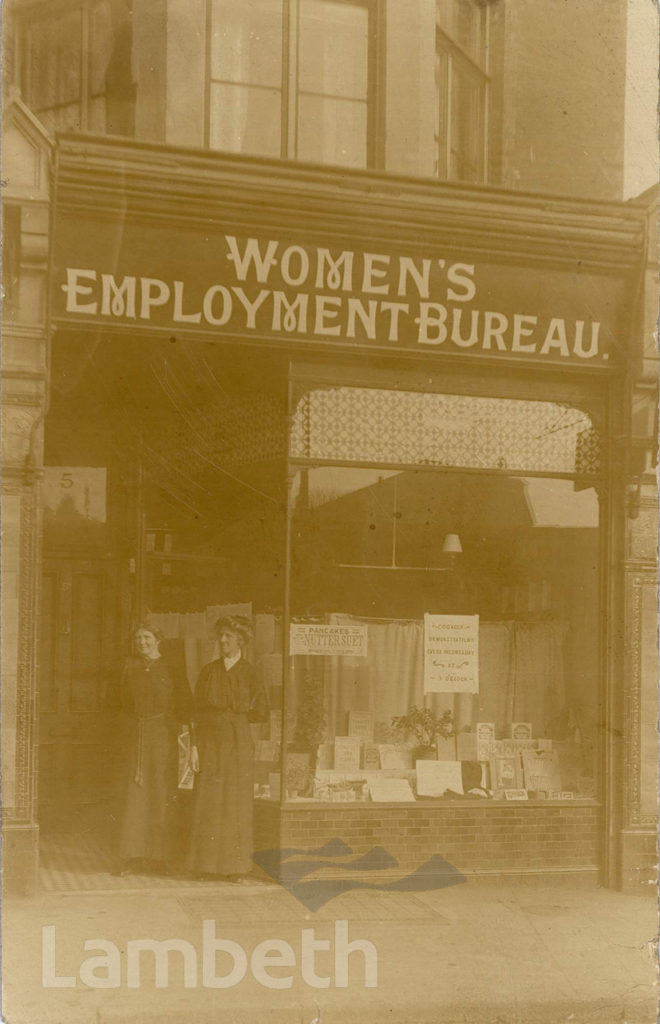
point(430, 802)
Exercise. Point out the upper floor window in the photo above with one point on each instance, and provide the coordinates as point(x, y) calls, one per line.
point(66, 55)
point(77, 66)
point(294, 79)
point(462, 89)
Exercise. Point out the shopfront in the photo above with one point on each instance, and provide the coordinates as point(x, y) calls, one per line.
point(382, 424)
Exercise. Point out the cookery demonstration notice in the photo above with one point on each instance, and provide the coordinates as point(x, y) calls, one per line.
point(451, 654)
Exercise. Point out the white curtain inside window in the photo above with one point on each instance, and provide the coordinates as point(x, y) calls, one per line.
point(521, 671)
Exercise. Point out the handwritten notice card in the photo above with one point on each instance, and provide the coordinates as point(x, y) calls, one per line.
point(434, 778)
point(347, 753)
point(485, 738)
point(361, 723)
point(386, 790)
point(325, 757)
point(370, 757)
point(541, 769)
point(393, 756)
point(307, 638)
point(451, 654)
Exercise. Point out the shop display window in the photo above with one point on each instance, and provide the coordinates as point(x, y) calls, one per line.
point(444, 593)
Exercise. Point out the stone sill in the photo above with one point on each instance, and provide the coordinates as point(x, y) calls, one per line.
point(427, 803)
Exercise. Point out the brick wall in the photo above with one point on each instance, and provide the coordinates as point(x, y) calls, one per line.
point(478, 837)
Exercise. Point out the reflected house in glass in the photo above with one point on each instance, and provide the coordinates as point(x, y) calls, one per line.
point(342, 312)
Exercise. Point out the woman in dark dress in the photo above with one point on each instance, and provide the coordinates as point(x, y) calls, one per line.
point(155, 703)
point(227, 698)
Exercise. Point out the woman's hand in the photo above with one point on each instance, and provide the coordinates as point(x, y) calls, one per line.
point(194, 759)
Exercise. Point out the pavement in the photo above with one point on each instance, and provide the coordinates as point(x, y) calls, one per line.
point(480, 952)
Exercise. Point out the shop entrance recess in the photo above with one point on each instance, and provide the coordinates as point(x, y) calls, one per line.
point(163, 501)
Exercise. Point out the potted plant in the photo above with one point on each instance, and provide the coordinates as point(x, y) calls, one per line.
point(299, 777)
point(424, 726)
point(309, 730)
point(310, 727)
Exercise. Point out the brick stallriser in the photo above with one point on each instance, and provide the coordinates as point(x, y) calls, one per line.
point(472, 838)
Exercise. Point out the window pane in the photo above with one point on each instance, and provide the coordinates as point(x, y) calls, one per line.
point(62, 119)
point(332, 131)
point(464, 21)
point(444, 10)
point(96, 115)
point(333, 48)
point(369, 556)
point(470, 23)
point(467, 96)
point(246, 41)
point(68, 58)
point(245, 120)
point(55, 60)
point(100, 45)
point(441, 112)
point(41, 66)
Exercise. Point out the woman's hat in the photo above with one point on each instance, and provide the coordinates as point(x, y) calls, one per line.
point(238, 624)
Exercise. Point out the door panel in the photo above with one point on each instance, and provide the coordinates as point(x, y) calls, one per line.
point(78, 659)
point(47, 693)
point(87, 637)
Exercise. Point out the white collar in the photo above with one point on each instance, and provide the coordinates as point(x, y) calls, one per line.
point(230, 662)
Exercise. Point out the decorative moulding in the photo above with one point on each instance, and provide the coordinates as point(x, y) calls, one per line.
point(151, 183)
point(636, 815)
point(26, 154)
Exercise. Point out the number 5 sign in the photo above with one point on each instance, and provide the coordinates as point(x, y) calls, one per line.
point(75, 491)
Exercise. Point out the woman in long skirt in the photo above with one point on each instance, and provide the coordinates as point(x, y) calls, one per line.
point(155, 704)
point(228, 697)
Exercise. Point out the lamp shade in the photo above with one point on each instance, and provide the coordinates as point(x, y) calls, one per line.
point(452, 544)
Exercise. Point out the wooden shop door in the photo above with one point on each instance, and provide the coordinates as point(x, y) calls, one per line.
point(78, 658)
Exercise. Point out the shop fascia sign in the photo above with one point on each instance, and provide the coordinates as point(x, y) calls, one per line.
point(270, 289)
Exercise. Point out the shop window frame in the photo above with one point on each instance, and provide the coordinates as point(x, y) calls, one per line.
point(593, 396)
point(289, 90)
